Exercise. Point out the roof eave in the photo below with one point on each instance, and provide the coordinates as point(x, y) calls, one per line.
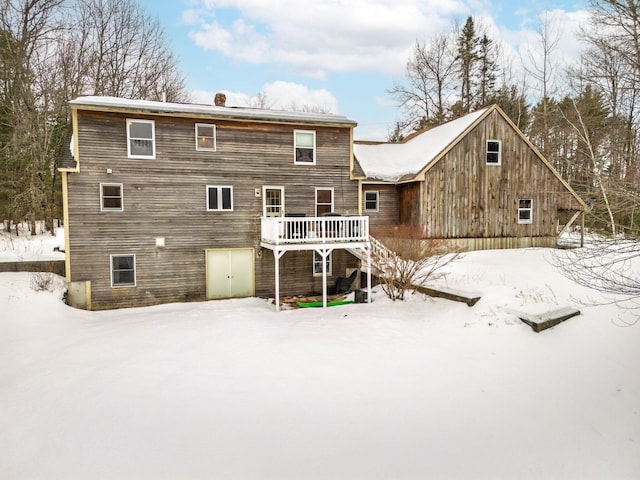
point(211, 112)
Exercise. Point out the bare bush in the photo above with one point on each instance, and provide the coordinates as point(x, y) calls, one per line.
point(608, 266)
point(406, 260)
point(42, 281)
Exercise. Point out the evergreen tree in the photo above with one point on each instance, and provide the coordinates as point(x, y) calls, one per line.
point(487, 71)
point(514, 104)
point(467, 57)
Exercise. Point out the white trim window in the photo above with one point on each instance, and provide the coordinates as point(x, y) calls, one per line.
point(219, 198)
point(111, 198)
point(494, 152)
point(272, 201)
point(141, 138)
point(371, 199)
point(304, 142)
point(324, 201)
point(525, 210)
point(317, 264)
point(205, 137)
point(123, 270)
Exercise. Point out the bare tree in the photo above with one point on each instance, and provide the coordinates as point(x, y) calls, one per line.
point(296, 107)
point(584, 136)
point(609, 267)
point(262, 100)
point(27, 27)
point(124, 52)
point(541, 65)
point(52, 51)
point(427, 94)
point(612, 65)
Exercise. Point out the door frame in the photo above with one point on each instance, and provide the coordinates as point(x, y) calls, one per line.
point(229, 250)
point(264, 199)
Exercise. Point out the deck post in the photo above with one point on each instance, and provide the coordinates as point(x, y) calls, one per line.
point(277, 254)
point(369, 274)
point(324, 253)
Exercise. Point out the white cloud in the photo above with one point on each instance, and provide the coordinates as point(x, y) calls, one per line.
point(316, 37)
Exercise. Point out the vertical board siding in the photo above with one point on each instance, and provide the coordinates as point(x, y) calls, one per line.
point(166, 197)
point(465, 198)
point(409, 203)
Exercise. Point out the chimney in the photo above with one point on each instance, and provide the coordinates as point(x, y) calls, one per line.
point(220, 99)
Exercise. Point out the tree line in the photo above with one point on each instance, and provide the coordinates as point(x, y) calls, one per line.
point(584, 118)
point(52, 51)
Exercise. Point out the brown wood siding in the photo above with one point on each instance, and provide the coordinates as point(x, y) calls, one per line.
point(463, 197)
point(166, 197)
point(409, 203)
point(387, 213)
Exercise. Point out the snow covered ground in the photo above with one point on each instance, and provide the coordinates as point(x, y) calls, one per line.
point(25, 247)
point(424, 389)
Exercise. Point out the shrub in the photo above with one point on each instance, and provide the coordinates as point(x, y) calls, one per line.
point(405, 259)
point(41, 281)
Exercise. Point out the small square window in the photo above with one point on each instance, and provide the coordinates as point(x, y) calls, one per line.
point(305, 147)
point(205, 137)
point(525, 210)
point(111, 197)
point(371, 201)
point(317, 264)
point(494, 152)
point(141, 138)
point(219, 198)
point(123, 270)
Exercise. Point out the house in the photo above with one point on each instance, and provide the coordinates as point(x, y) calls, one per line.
point(475, 181)
point(169, 202)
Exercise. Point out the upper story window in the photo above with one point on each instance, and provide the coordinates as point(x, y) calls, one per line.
point(494, 152)
point(206, 137)
point(305, 147)
point(219, 198)
point(111, 197)
point(123, 270)
point(525, 210)
point(141, 138)
point(371, 200)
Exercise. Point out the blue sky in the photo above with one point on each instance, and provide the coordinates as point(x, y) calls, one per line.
point(342, 55)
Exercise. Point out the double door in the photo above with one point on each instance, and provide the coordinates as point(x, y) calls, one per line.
point(230, 273)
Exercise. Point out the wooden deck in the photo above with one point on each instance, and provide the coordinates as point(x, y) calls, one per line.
point(321, 234)
point(300, 231)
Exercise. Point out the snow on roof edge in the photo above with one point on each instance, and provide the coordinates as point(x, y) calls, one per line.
point(203, 109)
point(393, 162)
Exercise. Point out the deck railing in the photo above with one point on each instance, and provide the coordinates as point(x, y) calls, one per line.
point(330, 229)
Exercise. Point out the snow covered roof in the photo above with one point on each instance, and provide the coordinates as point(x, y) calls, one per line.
point(394, 161)
point(240, 113)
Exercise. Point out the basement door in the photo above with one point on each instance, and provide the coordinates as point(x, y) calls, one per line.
point(230, 273)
